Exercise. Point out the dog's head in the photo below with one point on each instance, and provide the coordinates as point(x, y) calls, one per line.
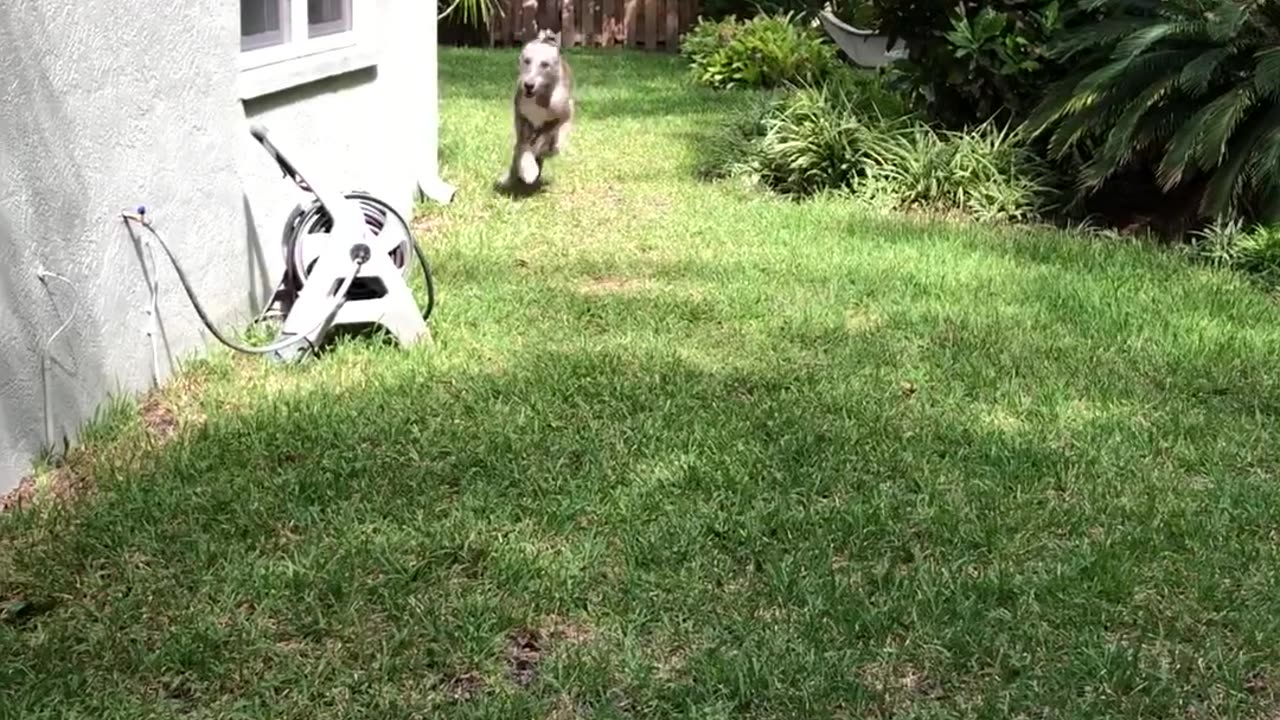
point(540, 64)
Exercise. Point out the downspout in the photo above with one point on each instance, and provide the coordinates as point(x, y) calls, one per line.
point(432, 186)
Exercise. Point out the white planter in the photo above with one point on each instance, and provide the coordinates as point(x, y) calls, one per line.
point(866, 48)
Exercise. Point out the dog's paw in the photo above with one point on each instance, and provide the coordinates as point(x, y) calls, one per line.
point(529, 169)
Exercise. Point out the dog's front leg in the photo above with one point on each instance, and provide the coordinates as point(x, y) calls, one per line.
point(524, 164)
point(560, 138)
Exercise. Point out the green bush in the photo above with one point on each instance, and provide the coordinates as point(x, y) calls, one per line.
point(767, 51)
point(813, 141)
point(988, 173)
point(969, 62)
point(1187, 88)
point(1254, 250)
point(851, 135)
point(800, 10)
point(729, 150)
point(798, 141)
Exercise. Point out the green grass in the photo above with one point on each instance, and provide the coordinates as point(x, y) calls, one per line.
point(685, 451)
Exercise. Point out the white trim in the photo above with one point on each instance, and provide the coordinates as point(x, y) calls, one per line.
point(303, 59)
point(259, 81)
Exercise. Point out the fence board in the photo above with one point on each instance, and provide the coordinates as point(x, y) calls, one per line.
point(647, 24)
point(608, 17)
point(650, 24)
point(631, 21)
point(673, 25)
point(568, 32)
point(586, 22)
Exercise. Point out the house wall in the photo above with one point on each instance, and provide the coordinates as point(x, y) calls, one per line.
point(107, 105)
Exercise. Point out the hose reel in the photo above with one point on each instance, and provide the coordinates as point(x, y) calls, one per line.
point(301, 251)
point(347, 259)
point(321, 243)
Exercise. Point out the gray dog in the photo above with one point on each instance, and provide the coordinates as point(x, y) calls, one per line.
point(543, 107)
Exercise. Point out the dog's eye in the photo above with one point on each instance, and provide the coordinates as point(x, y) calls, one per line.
point(524, 61)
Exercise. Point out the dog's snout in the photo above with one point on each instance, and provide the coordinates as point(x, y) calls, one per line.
point(528, 87)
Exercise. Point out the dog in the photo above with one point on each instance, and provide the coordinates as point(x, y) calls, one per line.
point(542, 106)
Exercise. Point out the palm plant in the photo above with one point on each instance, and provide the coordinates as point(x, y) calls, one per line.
point(1190, 86)
point(474, 12)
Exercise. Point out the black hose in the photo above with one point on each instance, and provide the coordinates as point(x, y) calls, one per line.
point(204, 316)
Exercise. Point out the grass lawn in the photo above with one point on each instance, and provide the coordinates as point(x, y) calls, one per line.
point(681, 450)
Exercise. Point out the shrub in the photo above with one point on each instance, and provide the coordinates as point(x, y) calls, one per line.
point(988, 173)
point(766, 51)
point(800, 141)
point(730, 149)
point(852, 135)
point(1190, 88)
point(970, 61)
point(813, 141)
point(800, 10)
point(1254, 250)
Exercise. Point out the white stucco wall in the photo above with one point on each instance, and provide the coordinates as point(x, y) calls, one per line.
point(107, 104)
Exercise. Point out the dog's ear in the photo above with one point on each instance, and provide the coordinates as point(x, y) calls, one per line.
point(550, 37)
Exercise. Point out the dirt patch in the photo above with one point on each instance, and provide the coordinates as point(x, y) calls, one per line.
point(461, 688)
point(524, 656)
point(19, 497)
point(899, 687)
point(62, 484)
point(19, 610)
point(564, 709)
point(1003, 420)
point(159, 419)
point(613, 285)
point(859, 321)
point(424, 226)
point(562, 630)
point(599, 196)
point(1260, 682)
point(162, 414)
point(527, 647)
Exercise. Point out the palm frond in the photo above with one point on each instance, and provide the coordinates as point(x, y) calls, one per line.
point(1198, 73)
point(1269, 210)
point(1119, 146)
point(1086, 113)
point(1224, 117)
point(1137, 43)
point(1226, 21)
point(1157, 127)
point(1053, 106)
point(1201, 137)
point(1264, 165)
point(1135, 73)
point(1225, 186)
point(1105, 33)
point(1266, 74)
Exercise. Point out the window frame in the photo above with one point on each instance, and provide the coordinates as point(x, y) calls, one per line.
point(300, 58)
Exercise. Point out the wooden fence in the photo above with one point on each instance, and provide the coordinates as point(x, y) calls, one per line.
point(647, 24)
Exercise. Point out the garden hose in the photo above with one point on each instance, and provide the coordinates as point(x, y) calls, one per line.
point(341, 295)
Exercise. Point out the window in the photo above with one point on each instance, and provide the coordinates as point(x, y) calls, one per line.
point(325, 17)
point(289, 42)
point(263, 23)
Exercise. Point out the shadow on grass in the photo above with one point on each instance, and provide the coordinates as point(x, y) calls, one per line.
point(778, 533)
point(519, 190)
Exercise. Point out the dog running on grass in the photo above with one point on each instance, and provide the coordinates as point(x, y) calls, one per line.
point(543, 107)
